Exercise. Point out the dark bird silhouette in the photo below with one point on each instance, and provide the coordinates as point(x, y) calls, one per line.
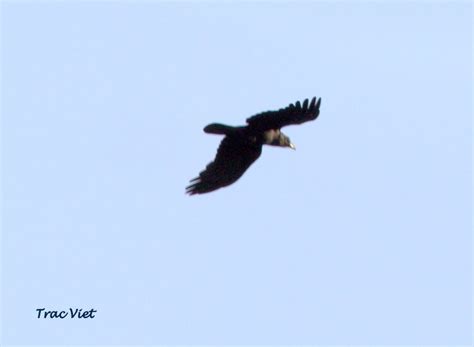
point(242, 145)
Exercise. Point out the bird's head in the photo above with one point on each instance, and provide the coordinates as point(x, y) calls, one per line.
point(277, 138)
point(284, 141)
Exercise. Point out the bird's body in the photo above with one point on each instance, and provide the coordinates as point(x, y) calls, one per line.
point(242, 145)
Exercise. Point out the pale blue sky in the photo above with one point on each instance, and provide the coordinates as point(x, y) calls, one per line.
point(361, 236)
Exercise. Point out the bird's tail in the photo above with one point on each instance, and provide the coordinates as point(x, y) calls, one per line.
point(219, 129)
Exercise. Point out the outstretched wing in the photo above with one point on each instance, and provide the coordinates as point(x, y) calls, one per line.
point(233, 158)
point(293, 114)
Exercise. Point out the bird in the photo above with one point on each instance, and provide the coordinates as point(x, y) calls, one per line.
point(242, 145)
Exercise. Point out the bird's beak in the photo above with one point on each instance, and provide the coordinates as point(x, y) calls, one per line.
point(292, 146)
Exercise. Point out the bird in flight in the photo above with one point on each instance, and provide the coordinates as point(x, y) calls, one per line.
point(242, 145)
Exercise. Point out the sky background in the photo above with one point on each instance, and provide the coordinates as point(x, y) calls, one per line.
point(363, 235)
